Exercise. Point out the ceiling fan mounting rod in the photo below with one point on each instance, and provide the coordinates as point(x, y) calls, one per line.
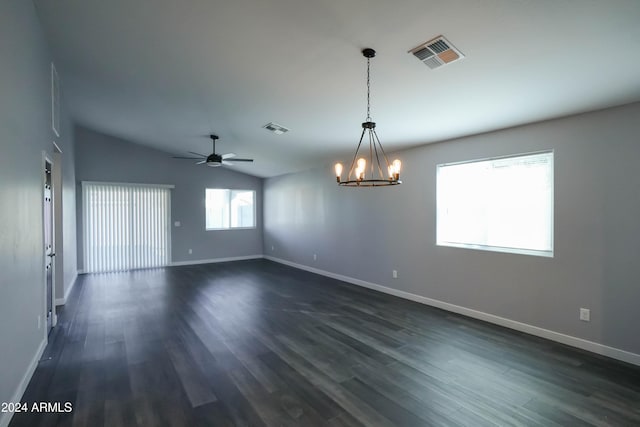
point(213, 139)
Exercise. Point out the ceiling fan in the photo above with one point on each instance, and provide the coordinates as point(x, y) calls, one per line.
point(213, 159)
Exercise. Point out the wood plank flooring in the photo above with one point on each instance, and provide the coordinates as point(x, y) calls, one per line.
point(255, 343)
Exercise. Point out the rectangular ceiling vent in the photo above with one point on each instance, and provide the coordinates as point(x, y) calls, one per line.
point(437, 52)
point(276, 128)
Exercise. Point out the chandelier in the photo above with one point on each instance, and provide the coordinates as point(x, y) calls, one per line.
point(377, 171)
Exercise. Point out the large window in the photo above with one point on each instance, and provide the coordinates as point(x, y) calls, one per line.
point(125, 226)
point(227, 209)
point(502, 204)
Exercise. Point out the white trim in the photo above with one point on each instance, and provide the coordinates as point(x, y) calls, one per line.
point(169, 229)
point(215, 260)
point(230, 228)
point(129, 184)
point(489, 248)
point(63, 300)
point(57, 148)
point(55, 101)
point(5, 418)
point(504, 156)
point(569, 340)
point(46, 158)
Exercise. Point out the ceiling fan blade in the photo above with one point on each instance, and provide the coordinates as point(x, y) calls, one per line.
point(228, 155)
point(224, 162)
point(201, 162)
point(241, 160)
point(197, 154)
point(190, 158)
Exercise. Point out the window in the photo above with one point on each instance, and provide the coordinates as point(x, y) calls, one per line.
point(502, 204)
point(125, 226)
point(227, 209)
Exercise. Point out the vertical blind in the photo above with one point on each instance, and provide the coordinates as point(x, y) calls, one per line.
point(126, 226)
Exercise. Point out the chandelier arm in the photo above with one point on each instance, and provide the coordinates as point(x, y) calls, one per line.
point(372, 145)
point(375, 149)
point(355, 156)
point(386, 160)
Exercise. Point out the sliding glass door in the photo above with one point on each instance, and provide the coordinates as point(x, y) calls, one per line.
point(126, 226)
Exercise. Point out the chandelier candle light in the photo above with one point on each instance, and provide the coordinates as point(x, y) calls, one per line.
point(379, 171)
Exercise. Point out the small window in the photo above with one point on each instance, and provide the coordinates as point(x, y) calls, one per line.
point(225, 209)
point(503, 204)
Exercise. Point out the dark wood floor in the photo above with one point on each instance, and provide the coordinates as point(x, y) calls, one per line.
point(257, 343)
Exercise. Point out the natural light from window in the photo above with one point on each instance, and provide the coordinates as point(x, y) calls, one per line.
point(225, 209)
point(503, 204)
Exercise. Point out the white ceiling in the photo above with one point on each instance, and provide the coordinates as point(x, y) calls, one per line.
point(167, 73)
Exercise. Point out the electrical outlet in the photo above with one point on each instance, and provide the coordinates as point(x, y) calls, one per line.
point(39, 321)
point(585, 314)
point(315, 257)
point(177, 224)
point(394, 273)
point(190, 251)
point(272, 248)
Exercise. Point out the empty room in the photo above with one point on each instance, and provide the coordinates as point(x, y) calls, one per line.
point(319, 213)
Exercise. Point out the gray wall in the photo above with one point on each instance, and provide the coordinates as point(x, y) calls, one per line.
point(66, 268)
point(101, 157)
point(25, 131)
point(68, 211)
point(366, 233)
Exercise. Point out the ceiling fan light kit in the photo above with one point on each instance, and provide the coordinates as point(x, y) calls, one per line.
point(378, 171)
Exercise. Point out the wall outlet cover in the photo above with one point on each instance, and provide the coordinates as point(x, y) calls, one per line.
point(585, 314)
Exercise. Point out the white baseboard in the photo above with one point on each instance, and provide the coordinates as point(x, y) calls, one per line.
point(5, 418)
point(215, 260)
point(63, 300)
point(614, 353)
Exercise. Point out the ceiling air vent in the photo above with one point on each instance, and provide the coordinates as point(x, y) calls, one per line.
point(437, 52)
point(276, 128)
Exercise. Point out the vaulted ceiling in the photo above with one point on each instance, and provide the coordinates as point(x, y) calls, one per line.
point(167, 73)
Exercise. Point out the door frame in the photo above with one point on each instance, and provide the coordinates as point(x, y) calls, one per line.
point(47, 158)
point(58, 226)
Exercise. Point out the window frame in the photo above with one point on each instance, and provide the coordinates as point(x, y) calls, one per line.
point(228, 202)
point(550, 253)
